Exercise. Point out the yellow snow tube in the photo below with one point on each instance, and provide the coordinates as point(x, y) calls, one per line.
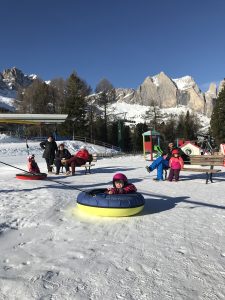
point(110, 212)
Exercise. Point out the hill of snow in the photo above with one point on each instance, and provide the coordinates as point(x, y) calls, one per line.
point(10, 146)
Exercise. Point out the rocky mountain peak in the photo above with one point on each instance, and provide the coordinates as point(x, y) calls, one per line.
point(11, 80)
point(165, 92)
point(15, 79)
point(212, 89)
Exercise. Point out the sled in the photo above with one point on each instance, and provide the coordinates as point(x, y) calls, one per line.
point(27, 176)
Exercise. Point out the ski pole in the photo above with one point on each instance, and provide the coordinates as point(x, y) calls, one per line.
point(32, 173)
point(27, 147)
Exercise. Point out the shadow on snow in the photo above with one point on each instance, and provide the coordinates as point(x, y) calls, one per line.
point(155, 203)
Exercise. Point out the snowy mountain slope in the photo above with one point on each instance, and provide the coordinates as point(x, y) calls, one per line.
point(137, 113)
point(7, 103)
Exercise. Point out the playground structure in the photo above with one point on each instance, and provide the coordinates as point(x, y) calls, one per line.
point(151, 143)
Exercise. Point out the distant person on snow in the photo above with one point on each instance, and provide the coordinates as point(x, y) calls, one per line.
point(79, 159)
point(121, 185)
point(32, 165)
point(50, 148)
point(176, 163)
point(61, 155)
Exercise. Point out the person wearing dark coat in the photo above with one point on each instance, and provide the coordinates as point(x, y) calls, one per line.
point(61, 154)
point(50, 148)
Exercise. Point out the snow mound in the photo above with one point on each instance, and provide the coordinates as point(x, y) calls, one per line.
point(11, 146)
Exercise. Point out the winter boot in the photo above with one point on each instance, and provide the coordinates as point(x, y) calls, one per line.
point(148, 169)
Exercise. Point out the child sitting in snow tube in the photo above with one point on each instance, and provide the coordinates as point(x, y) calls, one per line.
point(121, 185)
point(33, 171)
point(119, 201)
point(32, 165)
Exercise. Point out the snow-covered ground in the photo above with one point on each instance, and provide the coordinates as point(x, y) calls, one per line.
point(174, 249)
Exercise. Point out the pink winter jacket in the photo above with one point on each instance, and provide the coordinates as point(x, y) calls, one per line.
point(176, 163)
point(129, 188)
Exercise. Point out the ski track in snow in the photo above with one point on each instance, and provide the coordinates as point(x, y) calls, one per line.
point(175, 249)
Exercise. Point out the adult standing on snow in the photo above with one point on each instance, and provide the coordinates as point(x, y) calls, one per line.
point(50, 148)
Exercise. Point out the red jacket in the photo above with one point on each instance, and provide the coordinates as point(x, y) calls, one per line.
point(32, 166)
point(129, 188)
point(83, 153)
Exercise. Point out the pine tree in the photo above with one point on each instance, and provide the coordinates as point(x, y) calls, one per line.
point(188, 126)
point(113, 133)
point(38, 98)
point(218, 118)
point(180, 126)
point(76, 105)
point(188, 132)
point(137, 138)
point(59, 85)
point(153, 116)
point(106, 96)
point(98, 132)
point(168, 130)
point(127, 139)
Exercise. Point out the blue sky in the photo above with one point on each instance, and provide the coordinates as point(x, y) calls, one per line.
point(121, 40)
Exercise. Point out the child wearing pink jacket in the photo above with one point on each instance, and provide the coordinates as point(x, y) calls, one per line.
point(176, 163)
